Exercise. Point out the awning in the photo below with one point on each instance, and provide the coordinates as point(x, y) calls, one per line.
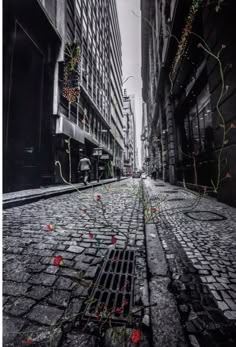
point(66, 127)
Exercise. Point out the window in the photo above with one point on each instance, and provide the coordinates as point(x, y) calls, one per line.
point(197, 133)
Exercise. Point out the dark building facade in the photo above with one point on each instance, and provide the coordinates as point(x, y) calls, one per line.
point(189, 87)
point(130, 165)
point(31, 43)
point(51, 113)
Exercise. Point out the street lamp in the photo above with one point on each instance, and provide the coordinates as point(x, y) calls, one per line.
point(126, 79)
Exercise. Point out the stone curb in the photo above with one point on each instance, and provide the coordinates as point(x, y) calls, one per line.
point(9, 203)
point(165, 319)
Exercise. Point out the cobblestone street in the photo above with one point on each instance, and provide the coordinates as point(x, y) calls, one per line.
point(77, 262)
point(80, 228)
point(198, 236)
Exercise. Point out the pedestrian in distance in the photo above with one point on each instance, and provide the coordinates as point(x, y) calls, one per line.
point(118, 173)
point(85, 167)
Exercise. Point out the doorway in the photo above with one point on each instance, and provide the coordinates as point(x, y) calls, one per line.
point(24, 114)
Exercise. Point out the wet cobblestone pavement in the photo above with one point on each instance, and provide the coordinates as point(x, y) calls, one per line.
point(45, 304)
point(42, 301)
point(199, 240)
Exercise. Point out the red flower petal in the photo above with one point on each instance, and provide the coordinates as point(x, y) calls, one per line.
point(98, 317)
point(113, 240)
point(91, 236)
point(153, 209)
point(118, 309)
point(84, 210)
point(49, 227)
point(57, 260)
point(28, 341)
point(136, 336)
point(98, 197)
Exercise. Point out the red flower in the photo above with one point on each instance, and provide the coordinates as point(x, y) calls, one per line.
point(98, 317)
point(136, 336)
point(118, 309)
point(113, 240)
point(58, 260)
point(29, 341)
point(153, 209)
point(84, 210)
point(91, 236)
point(98, 197)
point(232, 126)
point(49, 227)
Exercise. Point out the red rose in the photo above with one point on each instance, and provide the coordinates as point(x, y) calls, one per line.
point(49, 227)
point(91, 236)
point(153, 209)
point(136, 336)
point(84, 210)
point(98, 197)
point(58, 260)
point(113, 240)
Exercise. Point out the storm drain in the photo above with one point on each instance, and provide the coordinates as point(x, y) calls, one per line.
point(113, 290)
point(205, 216)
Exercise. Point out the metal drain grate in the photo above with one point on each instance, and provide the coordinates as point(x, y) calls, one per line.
point(114, 286)
point(205, 216)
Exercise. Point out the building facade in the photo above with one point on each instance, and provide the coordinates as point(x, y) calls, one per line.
point(189, 88)
point(145, 159)
point(62, 90)
point(129, 134)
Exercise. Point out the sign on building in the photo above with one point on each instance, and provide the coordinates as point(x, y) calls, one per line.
point(97, 151)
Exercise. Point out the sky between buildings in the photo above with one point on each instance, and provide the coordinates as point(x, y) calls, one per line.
point(130, 27)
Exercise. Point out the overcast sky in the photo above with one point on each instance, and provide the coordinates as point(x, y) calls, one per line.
point(130, 27)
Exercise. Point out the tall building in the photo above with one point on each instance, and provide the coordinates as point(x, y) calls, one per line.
point(62, 90)
point(129, 134)
point(145, 159)
point(189, 82)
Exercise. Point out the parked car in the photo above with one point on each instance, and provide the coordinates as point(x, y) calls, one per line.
point(136, 174)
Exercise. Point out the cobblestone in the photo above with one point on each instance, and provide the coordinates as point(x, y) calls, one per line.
point(47, 293)
point(201, 255)
point(46, 315)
